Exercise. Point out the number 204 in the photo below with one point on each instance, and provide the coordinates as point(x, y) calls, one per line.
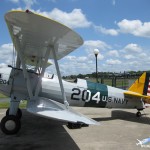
point(85, 95)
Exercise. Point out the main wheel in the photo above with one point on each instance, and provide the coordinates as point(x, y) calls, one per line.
point(10, 124)
point(19, 113)
point(138, 114)
point(74, 125)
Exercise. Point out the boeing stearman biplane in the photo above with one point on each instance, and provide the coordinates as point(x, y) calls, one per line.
point(36, 40)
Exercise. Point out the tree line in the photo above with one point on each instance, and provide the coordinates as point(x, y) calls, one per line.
point(125, 74)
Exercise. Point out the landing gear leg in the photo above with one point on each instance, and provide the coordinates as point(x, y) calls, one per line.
point(10, 124)
point(19, 113)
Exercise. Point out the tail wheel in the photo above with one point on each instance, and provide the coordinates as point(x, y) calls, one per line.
point(138, 114)
point(19, 113)
point(10, 124)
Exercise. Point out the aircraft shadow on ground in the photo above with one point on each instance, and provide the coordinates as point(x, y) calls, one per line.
point(128, 116)
point(38, 134)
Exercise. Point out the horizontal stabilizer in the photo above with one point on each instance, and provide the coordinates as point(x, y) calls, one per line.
point(145, 99)
point(55, 110)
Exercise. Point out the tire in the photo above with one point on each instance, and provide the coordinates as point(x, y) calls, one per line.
point(19, 113)
point(74, 125)
point(10, 124)
point(138, 114)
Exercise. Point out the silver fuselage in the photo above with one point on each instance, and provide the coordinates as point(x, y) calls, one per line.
point(81, 93)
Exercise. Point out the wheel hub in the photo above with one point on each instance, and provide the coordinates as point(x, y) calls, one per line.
point(10, 125)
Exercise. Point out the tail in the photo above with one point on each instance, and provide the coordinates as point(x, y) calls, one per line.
point(142, 86)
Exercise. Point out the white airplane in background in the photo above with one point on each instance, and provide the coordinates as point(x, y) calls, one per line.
point(37, 39)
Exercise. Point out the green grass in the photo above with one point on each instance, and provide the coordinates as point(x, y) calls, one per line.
point(2, 96)
point(4, 105)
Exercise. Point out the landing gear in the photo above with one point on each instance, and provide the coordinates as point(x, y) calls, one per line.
point(19, 113)
point(74, 125)
point(10, 124)
point(138, 114)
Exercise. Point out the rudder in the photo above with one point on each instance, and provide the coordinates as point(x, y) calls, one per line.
point(142, 85)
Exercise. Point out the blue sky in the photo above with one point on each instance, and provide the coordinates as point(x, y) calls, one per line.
point(120, 29)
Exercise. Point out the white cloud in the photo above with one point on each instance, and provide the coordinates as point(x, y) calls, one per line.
point(113, 62)
point(143, 55)
point(82, 59)
point(70, 58)
point(14, 1)
point(29, 3)
point(103, 30)
point(113, 53)
point(6, 51)
point(135, 27)
point(76, 59)
point(114, 2)
point(133, 48)
point(90, 45)
point(92, 56)
point(77, 65)
point(3, 65)
point(54, 1)
point(73, 19)
point(134, 63)
point(129, 57)
point(128, 26)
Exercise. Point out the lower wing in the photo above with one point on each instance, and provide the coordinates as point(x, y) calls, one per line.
point(55, 110)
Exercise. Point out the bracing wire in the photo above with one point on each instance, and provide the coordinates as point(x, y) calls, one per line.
point(13, 57)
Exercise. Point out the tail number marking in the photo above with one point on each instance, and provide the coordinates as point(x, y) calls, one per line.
point(3, 81)
point(86, 95)
point(76, 94)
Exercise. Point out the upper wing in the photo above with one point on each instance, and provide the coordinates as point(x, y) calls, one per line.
point(36, 32)
point(55, 110)
point(34, 61)
point(146, 99)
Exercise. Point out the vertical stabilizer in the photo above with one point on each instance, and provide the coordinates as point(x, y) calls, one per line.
point(142, 85)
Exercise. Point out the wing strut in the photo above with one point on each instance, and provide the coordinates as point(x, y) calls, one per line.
point(45, 59)
point(59, 77)
point(26, 76)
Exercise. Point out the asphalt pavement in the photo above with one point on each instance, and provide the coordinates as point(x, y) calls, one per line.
point(119, 129)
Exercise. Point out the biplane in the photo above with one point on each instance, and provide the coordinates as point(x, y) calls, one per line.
point(36, 40)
